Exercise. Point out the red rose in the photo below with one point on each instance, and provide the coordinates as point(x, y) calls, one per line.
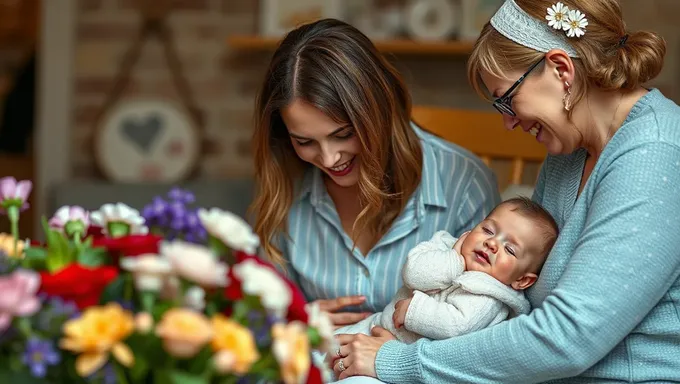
point(95, 231)
point(296, 309)
point(131, 245)
point(79, 284)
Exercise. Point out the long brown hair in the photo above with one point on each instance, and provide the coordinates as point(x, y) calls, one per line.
point(334, 67)
point(603, 62)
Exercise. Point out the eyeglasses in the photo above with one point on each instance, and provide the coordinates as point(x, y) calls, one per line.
point(504, 103)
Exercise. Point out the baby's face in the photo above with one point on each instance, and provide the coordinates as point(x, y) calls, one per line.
point(505, 245)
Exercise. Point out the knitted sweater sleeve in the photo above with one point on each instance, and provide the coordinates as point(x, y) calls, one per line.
point(623, 262)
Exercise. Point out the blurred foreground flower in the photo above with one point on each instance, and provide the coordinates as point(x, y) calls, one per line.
point(7, 246)
point(234, 346)
point(118, 220)
point(184, 332)
point(14, 193)
point(39, 354)
point(291, 350)
point(72, 220)
point(264, 283)
point(229, 229)
point(98, 332)
point(195, 263)
point(19, 296)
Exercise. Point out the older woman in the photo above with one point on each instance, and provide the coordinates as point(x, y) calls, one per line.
point(607, 303)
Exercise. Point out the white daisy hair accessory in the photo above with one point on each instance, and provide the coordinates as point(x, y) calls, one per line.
point(557, 16)
point(576, 23)
point(540, 34)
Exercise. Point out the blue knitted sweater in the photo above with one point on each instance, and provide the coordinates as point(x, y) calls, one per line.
point(607, 303)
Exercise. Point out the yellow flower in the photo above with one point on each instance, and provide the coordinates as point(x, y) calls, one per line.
point(234, 339)
point(184, 332)
point(7, 246)
point(291, 349)
point(97, 332)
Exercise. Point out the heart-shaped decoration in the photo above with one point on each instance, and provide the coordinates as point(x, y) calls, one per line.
point(142, 133)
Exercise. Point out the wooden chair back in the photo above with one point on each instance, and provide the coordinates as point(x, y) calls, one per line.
point(483, 134)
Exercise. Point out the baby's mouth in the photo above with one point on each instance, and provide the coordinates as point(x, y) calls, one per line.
point(482, 256)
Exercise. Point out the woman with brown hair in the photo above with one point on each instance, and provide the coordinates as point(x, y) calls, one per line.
point(607, 302)
point(347, 184)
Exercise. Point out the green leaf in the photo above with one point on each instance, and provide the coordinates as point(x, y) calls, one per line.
point(266, 366)
point(92, 257)
point(19, 378)
point(34, 258)
point(160, 308)
point(149, 348)
point(113, 291)
point(201, 363)
point(240, 310)
point(314, 337)
point(139, 371)
point(231, 379)
point(177, 377)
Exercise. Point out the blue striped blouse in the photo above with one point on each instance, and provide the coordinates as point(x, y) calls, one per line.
point(456, 192)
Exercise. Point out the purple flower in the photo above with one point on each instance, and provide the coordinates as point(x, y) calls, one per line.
point(40, 354)
point(126, 305)
point(182, 196)
point(105, 375)
point(58, 311)
point(192, 221)
point(260, 324)
point(159, 206)
point(13, 193)
point(177, 224)
point(174, 218)
point(177, 210)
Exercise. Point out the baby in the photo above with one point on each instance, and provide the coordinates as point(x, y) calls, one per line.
point(457, 286)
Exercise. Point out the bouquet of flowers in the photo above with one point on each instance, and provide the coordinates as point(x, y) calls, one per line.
point(173, 294)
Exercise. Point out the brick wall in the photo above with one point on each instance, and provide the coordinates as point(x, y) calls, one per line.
point(225, 82)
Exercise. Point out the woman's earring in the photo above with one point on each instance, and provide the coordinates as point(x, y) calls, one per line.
point(566, 99)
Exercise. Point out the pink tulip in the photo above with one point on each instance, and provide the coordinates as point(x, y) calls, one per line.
point(13, 193)
point(19, 296)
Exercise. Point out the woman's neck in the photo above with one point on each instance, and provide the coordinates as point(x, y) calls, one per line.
point(603, 113)
point(345, 198)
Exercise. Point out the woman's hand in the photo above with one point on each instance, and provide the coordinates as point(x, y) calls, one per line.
point(357, 353)
point(340, 319)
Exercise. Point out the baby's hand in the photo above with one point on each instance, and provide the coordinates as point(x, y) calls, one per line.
point(400, 309)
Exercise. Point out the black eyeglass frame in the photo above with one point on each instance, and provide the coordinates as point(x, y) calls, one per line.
point(502, 104)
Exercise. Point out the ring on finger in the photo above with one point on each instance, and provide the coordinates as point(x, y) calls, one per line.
point(337, 352)
point(341, 365)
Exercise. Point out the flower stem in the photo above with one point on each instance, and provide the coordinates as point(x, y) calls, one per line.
point(24, 325)
point(13, 214)
point(77, 239)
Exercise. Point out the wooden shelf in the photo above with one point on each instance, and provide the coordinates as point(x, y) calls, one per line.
point(404, 47)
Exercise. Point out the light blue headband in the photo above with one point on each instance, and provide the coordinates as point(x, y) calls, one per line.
point(515, 24)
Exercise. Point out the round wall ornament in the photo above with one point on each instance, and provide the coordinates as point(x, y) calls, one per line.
point(147, 141)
